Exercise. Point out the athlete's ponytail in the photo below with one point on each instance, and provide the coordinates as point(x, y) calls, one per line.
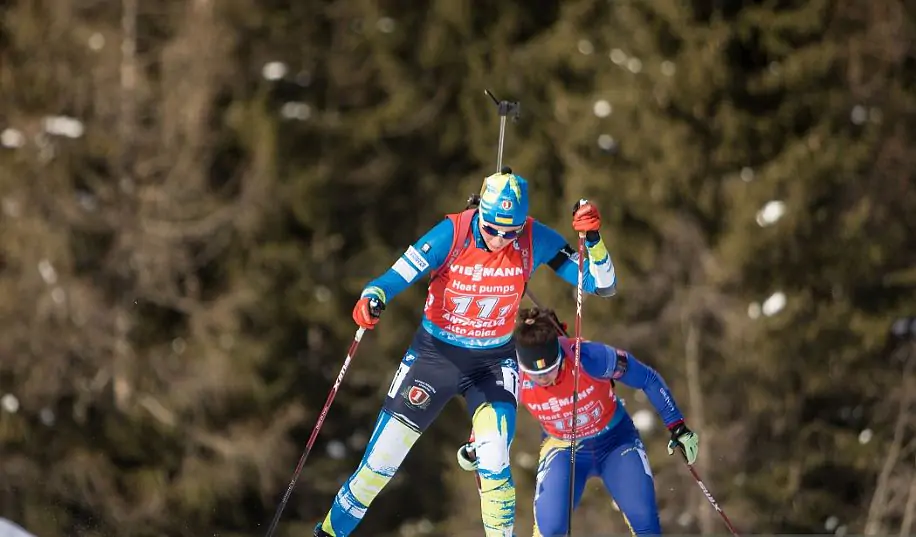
point(534, 327)
point(536, 344)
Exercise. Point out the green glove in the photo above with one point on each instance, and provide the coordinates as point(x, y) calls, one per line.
point(466, 460)
point(687, 440)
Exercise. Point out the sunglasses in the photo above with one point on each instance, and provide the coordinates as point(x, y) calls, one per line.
point(493, 232)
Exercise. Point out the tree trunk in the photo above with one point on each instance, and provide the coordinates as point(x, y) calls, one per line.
point(880, 499)
point(909, 512)
point(126, 129)
point(697, 418)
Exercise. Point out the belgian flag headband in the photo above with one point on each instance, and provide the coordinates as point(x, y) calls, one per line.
point(539, 359)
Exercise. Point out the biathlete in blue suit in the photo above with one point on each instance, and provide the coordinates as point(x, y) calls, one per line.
point(479, 262)
point(607, 443)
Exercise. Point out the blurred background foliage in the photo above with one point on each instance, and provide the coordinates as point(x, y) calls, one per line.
point(195, 191)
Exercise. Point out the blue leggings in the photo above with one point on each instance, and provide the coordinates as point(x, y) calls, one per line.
point(430, 375)
point(619, 458)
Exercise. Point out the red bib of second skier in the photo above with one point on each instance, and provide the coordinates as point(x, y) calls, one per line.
point(552, 405)
point(479, 295)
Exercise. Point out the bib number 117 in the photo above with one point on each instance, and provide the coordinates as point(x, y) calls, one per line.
point(485, 306)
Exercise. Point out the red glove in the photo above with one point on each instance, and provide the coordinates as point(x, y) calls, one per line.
point(586, 217)
point(367, 311)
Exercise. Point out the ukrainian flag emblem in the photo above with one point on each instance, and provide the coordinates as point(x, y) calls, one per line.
point(504, 199)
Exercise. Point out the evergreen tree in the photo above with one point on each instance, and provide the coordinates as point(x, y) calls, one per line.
point(820, 225)
point(193, 195)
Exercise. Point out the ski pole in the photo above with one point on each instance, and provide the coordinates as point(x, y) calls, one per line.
point(712, 501)
point(308, 447)
point(575, 398)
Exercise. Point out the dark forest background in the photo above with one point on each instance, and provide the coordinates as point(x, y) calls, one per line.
point(195, 191)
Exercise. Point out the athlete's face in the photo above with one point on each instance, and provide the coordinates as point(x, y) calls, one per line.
point(498, 237)
point(546, 379)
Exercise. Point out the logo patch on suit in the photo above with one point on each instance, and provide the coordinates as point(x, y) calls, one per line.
point(418, 395)
point(623, 362)
point(416, 258)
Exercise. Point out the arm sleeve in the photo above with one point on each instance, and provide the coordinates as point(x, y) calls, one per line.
point(595, 360)
point(551, 248)
point(423, 256)
point(617, 364)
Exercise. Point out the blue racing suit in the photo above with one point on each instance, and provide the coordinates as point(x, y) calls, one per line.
point(616, 454)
